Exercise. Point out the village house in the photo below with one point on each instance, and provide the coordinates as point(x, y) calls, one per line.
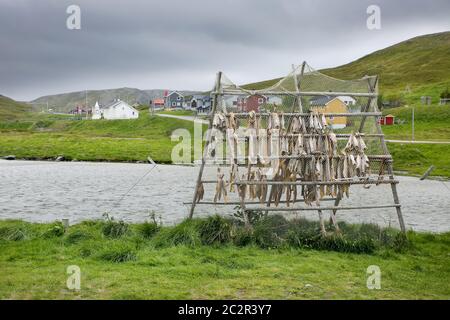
point(201, 103)
point(157, 104)
point(326, 104)
point(251, 103)
point(174, 100)
point(116, 110)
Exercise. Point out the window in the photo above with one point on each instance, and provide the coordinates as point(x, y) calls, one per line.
point(260, 100)
point(174, 104)
point(178, 98)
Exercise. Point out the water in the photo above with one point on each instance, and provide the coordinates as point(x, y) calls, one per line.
point(46, 191)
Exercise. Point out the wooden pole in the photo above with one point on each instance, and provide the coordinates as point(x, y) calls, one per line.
point(208, 139)
point(389, 169)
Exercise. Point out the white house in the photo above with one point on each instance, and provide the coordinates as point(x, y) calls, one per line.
point(117, 110)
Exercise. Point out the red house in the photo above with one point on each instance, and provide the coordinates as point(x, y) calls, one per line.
point(251, 103)
point(387, 120)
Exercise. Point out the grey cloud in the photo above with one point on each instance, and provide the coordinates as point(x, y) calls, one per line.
point(181, 44)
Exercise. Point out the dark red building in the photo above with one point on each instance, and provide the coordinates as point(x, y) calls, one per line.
point(251, 103)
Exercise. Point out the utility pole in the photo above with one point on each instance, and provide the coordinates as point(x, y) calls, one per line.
point(86, 106)
point(412, 115)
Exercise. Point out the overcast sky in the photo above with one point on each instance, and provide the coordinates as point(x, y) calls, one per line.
point(181, 44)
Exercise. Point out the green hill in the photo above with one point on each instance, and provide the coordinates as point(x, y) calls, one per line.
point(12, 110)
point(65, 102)
point(407, 70)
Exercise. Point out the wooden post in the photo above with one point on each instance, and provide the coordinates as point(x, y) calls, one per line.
point(208, 139)
point(389, 167)
point(371, 89)
point(297, 85)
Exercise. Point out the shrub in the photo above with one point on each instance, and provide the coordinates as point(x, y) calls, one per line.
point(270, 231)
point(253, 215)
point(401, 242)
point(55, 230)
point(242, 236)
point(303, 233)
point(215, 229)
point(114, 229)
point(185, 233)
point(148, 229)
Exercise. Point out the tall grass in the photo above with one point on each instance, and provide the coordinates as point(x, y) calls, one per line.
point(121, 240)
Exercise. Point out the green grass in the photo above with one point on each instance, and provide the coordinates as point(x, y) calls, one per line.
point(417, 158)
point(430, 123)
point(89, 140)
point(133, 267)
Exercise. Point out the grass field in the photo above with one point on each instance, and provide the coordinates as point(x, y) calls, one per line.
point(141, 262)
point(100, 140)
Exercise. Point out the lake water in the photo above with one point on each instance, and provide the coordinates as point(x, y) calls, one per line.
point(43, 191)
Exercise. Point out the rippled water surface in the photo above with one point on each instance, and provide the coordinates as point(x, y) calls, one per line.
point(47, 191)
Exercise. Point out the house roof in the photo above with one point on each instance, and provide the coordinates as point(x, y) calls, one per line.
point(116, 103)
point(322, 100)
point(158, 100)
point(389, 116)
point(172, 92)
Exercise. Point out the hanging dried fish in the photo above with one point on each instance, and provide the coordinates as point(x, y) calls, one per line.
point(200, 193)
point(221, 188)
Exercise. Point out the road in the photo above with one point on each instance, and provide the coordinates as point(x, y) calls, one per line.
point(187, 118)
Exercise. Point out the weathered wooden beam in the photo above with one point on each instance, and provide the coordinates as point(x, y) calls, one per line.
point(325, 208)
point(294, 114)
point(311, 183)
point(294, 93)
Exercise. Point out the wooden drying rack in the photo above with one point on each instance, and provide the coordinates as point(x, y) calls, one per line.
point(250, 205)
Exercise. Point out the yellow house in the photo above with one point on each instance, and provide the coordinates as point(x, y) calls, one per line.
point(327, 104)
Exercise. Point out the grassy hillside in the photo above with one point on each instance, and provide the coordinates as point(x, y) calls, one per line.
point(144, 261)
point(12, 110)
point(422, 63)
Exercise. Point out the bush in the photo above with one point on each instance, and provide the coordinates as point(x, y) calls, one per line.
point(242, 236)
point(270, 231)
point(114, 229)
point(303, 233)
point(148, 229)
point(401, 242)
point(55, 230)
point(185, 233)
point(214, 230)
